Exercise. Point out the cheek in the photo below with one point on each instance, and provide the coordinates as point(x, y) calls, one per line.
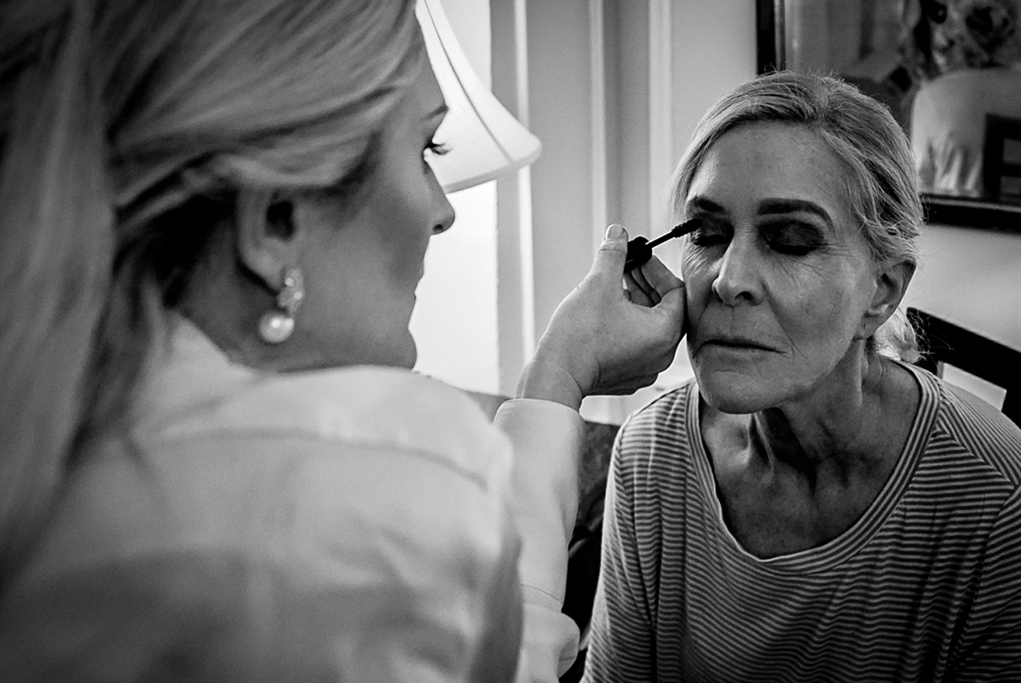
point(820, 316)
point(697, 269)
point(409, 252)
point(405, 237)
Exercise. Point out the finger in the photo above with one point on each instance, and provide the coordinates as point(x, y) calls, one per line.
point(612, 253)
point(659, 277)
point(635, 292)
point(650, 291)
point(632, 385)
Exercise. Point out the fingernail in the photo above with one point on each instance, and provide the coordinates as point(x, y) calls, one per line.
point(615, 231)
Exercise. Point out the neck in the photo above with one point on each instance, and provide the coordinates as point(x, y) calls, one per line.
point(838, 428)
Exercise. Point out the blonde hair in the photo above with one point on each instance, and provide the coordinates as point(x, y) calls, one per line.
point(120, 118)
point(880, 185)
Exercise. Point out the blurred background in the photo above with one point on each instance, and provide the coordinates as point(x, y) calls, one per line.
point(613, 90)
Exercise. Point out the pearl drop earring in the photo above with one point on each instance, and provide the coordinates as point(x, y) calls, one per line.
point(276, 326)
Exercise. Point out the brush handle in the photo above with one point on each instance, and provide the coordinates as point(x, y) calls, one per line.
point(639, 250)
point(638, 253)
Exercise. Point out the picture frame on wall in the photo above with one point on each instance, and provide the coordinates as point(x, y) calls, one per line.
point(884, 48)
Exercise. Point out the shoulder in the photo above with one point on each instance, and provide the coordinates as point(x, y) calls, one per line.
point(969, 431)
point(194, 397)
point(667, 411)
point(338, 481)
point(653, 437)
point(366, 408)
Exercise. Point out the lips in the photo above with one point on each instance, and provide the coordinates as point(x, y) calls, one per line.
point(738, 343)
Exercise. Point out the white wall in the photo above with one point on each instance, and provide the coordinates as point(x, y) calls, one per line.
point(560, 113)
point(714, 50)
point(971, 278)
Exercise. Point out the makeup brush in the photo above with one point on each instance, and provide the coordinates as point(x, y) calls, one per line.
point(639, 250)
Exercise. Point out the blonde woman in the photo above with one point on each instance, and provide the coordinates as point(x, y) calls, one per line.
point(214, 461)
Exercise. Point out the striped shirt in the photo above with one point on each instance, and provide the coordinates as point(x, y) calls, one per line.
point(925, 586)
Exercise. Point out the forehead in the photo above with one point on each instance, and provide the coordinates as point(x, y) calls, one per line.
point(772, 161)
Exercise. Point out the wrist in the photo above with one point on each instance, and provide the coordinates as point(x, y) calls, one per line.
point(549, 381)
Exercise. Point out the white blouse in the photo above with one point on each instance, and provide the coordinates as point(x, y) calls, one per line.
point(357, 524)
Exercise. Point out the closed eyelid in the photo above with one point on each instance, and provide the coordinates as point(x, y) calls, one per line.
point(800, 223)
point(798, 233)
point(794, 228)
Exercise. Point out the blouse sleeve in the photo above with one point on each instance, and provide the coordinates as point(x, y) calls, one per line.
point(546, 439)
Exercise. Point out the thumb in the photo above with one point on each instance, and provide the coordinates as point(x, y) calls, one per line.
point(612, 253)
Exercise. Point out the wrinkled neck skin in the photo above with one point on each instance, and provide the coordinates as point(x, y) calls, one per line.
point(798, 475)
point(848, 426)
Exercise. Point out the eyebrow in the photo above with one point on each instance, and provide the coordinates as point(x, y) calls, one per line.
point(771, 206)
point(704, 204)
point(766, 207)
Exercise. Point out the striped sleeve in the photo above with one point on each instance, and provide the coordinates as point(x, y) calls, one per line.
point(991, 644)
point(622, 634)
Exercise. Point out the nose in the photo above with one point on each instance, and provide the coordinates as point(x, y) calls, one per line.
point(738, 279)
point(446, 213)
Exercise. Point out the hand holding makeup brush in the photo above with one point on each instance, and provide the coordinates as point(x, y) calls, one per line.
point(604, 339)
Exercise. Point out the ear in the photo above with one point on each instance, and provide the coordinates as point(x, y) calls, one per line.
point(266, 235)
point(892, 280)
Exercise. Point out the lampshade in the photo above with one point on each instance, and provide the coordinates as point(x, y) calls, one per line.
point(484, 139)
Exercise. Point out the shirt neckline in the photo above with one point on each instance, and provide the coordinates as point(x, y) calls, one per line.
point(849, 543)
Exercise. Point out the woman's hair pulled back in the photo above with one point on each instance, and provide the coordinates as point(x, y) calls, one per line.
point(881, 187)
point(130, 130)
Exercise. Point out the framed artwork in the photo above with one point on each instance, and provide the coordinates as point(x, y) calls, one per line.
point(888, 49)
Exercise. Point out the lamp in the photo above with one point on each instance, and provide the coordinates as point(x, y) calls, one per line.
point(486, 141)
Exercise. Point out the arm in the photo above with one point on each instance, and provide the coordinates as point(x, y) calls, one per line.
point(547, 438)
point(602, 339)
point(990, 648)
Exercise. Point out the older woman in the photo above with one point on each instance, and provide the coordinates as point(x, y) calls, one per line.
point(215, 464)
point(810, 507)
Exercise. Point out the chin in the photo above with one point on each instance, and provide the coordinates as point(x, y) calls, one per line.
point(730, 392)
point(405, 355)
point(408, 361)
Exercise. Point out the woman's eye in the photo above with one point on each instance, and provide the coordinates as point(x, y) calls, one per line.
point(792, 239)
point(434, 148)
point(709, 234)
